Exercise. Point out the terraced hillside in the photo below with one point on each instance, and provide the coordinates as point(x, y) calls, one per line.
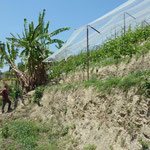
point(111, 111)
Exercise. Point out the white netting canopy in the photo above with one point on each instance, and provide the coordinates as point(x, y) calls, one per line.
point(132, 12)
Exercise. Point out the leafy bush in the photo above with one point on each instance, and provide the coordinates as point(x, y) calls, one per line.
point(15, 92)
point(38, 94)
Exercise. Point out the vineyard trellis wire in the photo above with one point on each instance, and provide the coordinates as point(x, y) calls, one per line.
point(110, 26)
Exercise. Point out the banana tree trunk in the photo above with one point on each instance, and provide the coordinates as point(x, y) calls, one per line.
point(30, 81)
point(22, 77)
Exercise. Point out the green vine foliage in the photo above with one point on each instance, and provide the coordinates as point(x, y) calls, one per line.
point(37, 95)
point(120, 47)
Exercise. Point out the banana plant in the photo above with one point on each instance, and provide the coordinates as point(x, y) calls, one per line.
point(34, 48)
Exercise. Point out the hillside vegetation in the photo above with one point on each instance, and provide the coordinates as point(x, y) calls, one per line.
point(111, 52)
point(111, 111)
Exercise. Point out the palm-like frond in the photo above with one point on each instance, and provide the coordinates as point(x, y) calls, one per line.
point(36, 32)
point(46, 28)
point(26, 28)
point(12, 52)
point(58, 31)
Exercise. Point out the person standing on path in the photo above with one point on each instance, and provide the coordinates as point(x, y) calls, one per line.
point(5, 99)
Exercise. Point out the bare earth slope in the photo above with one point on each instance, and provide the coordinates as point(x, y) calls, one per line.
point(110, 121)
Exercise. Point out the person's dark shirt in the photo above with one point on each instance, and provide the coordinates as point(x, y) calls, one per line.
point(4, 93)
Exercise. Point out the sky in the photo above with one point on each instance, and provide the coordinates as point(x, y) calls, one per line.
point(60, 13)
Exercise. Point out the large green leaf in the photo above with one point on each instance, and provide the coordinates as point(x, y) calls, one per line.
point(58, 31)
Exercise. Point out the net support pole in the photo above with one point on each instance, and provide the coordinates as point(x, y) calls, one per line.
point(88, 74)
point(87, 53)
point(125, 21)
point(124, 24)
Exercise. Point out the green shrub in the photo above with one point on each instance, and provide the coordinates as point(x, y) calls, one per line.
point(38, 95)
point(15, 92)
